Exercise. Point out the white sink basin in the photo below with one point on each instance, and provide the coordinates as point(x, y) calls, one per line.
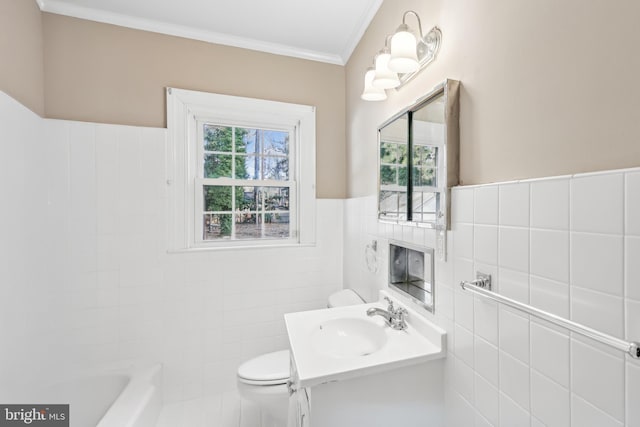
point(337, 344)
point(348, 337)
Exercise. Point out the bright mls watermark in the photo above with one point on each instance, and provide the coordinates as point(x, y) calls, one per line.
point(34, 415)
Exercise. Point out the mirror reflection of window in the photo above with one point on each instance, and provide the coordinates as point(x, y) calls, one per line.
point(427, 151)
point(394, 173)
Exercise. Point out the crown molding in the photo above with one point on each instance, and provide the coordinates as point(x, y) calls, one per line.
point(66, 9)
point(357, 34)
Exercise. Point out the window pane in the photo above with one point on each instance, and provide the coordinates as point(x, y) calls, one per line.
point(262, 141)
point(424, 176)
point(217, 198)
point(257, 167)
point(217, 226)
point(425, 155)
point(276, 143)
point(388, 175)
point(241, 140)
point(393, 204)
point(402, 176)
point(425, 162)
point(252, 226)
point(251, 140)
point(242, 169)
point(425, 205)
point(217, 166)
point(275, 198)
point(276, 168)
point(217, 138)
point(402, 154)
point(388, 203)
point(248, 226)
point(250, 166)
point(387, 152)
point(402, 206)
point(276, 225)
point(249, 199)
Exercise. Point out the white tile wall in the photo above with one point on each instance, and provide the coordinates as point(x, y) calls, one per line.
point(514, 248)
point(550, 254)
point(514, 204)
point(568, 245)
point(84, 271)
point(632, 198)
point(550, 352)
point(550, 402)
point(84, 265)
point(550, 204)
point(597, 262)
point(28, 256)
point(632, 381)
point(597, 203)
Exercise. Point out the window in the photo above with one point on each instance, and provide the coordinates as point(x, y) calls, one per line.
point(241, 171)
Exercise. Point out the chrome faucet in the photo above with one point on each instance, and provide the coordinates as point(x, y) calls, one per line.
point(394, 317)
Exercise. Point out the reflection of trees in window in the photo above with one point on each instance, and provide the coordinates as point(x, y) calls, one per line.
point(393, 163)
point(425, 165)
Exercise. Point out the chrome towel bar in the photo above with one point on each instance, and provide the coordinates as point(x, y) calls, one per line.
point(477, 287)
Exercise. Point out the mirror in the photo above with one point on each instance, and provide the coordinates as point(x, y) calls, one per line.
point(394, 169)
point(418, 160)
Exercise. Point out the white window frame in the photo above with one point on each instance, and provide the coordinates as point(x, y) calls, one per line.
point(187, 111)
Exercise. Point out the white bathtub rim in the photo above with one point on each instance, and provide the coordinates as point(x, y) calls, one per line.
point(143, 387)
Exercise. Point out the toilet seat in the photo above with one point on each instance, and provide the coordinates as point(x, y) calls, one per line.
point(268, 369)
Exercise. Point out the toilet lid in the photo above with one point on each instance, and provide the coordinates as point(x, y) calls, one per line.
point(268, 369)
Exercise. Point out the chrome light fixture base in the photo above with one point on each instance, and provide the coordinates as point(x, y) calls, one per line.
point(428, 47)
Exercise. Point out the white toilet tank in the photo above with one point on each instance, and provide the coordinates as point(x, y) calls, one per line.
point(343, 298)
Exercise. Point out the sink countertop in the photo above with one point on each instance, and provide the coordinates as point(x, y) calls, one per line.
point(421, 342)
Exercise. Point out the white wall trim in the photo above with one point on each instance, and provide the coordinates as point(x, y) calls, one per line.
point(185, 109)
point(62, 8)
point(550, 178)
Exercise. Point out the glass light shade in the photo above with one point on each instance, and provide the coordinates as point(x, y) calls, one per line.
point(370, 92)
point(404, 53)
point(384, 77)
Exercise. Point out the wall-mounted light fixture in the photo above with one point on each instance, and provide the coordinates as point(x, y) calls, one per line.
point(399, 63)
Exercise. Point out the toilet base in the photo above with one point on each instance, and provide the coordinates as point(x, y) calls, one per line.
point(272, 401)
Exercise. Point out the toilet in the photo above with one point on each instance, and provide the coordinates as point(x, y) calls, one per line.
point(263, 379)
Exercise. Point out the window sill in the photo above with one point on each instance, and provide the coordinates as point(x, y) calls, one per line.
point(200, 249)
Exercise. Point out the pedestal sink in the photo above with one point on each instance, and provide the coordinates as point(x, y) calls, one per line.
point(348, 337)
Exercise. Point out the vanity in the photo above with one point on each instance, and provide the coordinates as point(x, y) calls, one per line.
point(353, 369)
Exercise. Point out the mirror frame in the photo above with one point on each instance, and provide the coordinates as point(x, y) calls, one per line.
point(451, 154)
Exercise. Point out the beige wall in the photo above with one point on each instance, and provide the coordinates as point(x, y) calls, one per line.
point(21, 67)
point(549, 87)
point(103, 73)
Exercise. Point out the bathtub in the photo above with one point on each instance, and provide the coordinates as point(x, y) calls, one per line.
point(117, 399)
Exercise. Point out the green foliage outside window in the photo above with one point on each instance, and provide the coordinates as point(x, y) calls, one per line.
point(217, 165)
